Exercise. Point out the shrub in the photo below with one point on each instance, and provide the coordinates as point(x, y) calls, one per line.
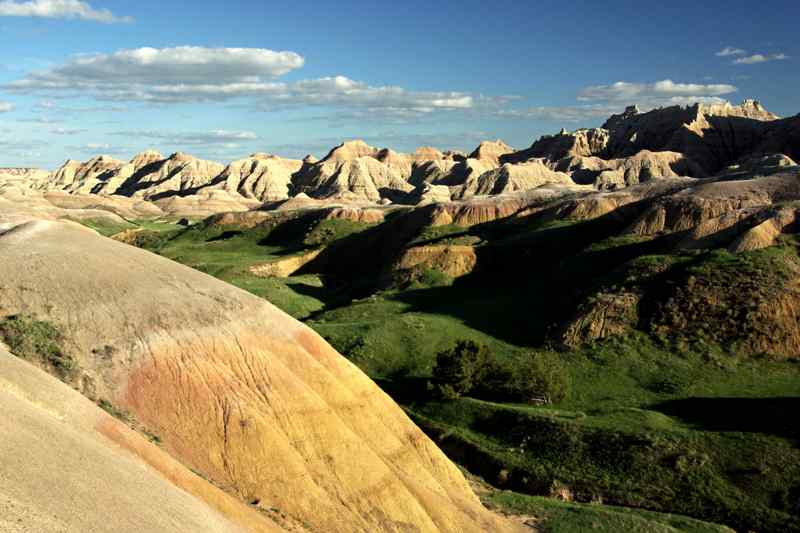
point(36, 340)
point(471, 368)
point(431, 277)
point(538, 378)
point(460, 369)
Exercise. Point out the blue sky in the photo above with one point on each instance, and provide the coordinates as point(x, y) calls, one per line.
point(222, 80)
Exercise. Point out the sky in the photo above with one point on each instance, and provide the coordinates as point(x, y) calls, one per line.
point(222, 80)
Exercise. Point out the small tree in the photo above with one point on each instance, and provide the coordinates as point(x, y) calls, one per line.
point(460, 369)
point(539, 378)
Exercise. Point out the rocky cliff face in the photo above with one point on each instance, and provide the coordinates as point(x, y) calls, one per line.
point(711, 136)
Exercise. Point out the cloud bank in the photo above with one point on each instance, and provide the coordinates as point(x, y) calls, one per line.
point(196, 74)
point(59, 9)
point(660, 90)
point(209, 138)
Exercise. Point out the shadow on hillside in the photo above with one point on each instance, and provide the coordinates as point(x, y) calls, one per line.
point(525, 288)
point(774, 416)
point(515, 315)
point(330, 296)
point(406, 390)
point(225, 235)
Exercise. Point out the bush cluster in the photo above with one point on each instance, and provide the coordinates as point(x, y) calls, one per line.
point(36, 340)
point(469, 368)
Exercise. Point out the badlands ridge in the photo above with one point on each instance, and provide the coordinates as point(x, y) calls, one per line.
point(699, 141)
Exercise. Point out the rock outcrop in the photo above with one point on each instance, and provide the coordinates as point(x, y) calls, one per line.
point(352, 172)
point(260, 177)
point(511, 178)
point(580, 143)
point(491, 151)
point(98, 173)
point(453, 260)
point(179, 173)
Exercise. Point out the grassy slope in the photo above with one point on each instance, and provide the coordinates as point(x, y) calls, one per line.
point(681, 427)
point(563, 517)
point(227, 253)
point(722, 448)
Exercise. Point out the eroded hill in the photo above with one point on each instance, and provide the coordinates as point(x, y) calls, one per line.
point(231, 387)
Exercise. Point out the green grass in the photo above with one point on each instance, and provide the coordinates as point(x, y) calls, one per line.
point(556, 516)
point(722, 447)
point(387, 336)
point(228, 252)
point(38, 341)
point(328, 231)
point(298, 296)
point(446, 234)
point(111, 409)
point(107, 227)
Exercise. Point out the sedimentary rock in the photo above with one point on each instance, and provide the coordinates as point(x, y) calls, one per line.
point(260, 177)
point(234, 388)
point(511, 178)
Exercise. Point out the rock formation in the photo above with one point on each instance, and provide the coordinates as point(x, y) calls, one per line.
point(511, 178)
point(232, 387)
point(580, 143)
point(260, 177)
point(491, 151)
point(177, 174)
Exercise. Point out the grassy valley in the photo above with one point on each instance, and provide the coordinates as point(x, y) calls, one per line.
point(680, 411)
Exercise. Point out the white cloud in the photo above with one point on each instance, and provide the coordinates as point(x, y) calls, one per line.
point(759, 58)
point(49, 106)
point(665, 89)
point(691, 100)
point(195, 74)
point(59, 9)
point(185, 73)
point(601, 101)
point(730, 51)
point(223, 138)
point(343, 92)
point(66, 131)
point(5, 107)
point(563, 113)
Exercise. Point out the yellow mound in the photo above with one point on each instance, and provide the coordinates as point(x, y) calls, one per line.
point(234, 388)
